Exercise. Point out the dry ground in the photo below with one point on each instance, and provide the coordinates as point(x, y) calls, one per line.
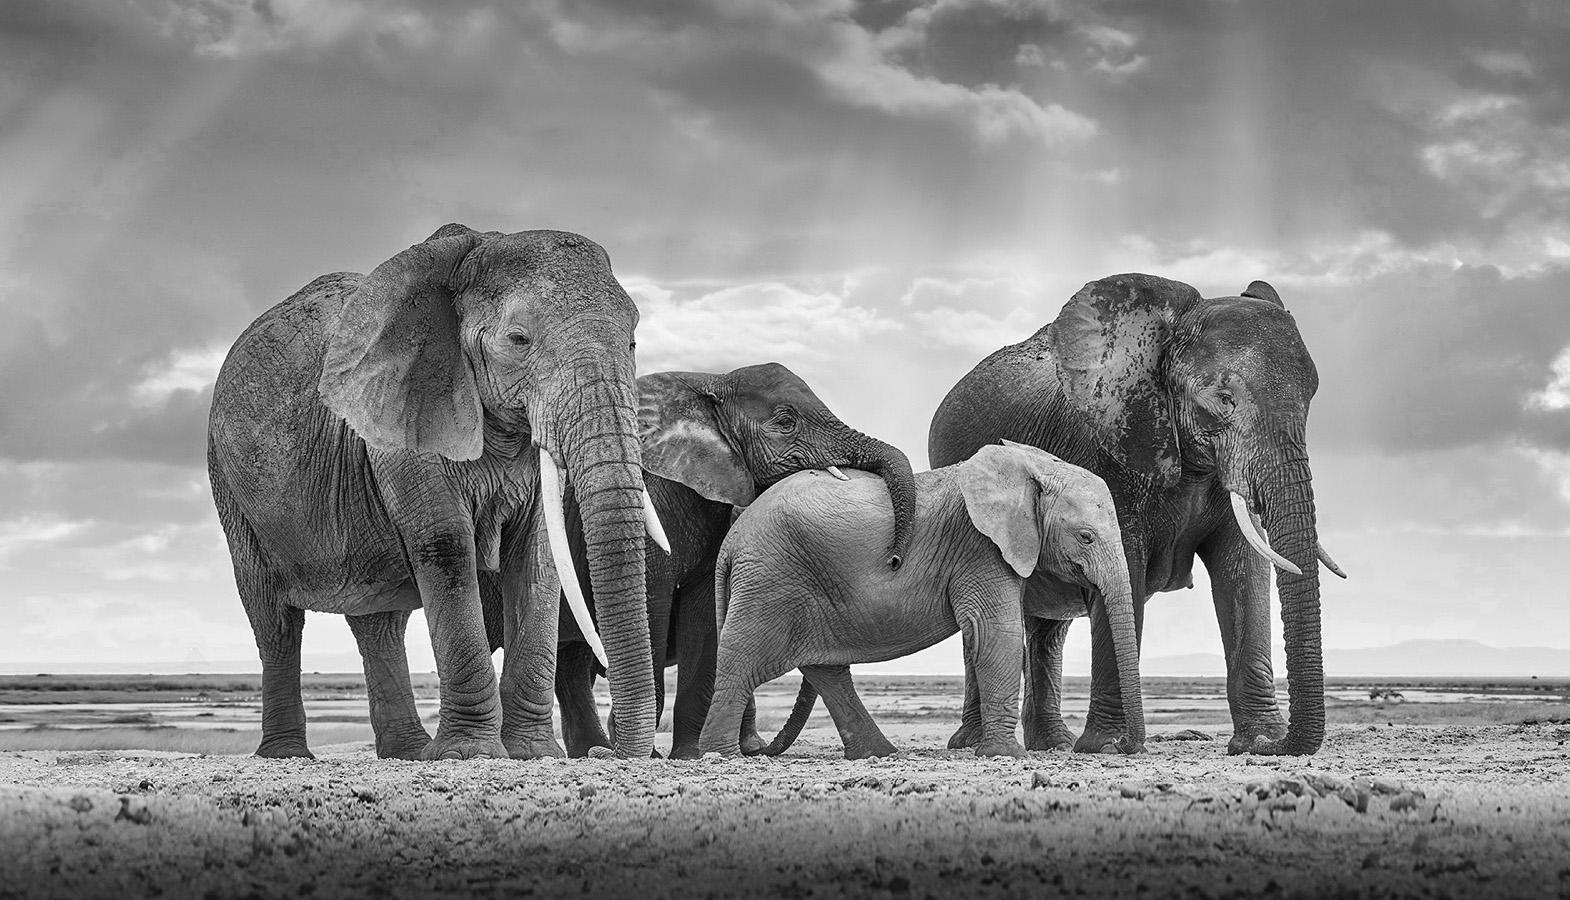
point(1404, 810)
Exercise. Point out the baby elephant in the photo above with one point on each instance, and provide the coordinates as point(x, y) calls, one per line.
point(803, 582)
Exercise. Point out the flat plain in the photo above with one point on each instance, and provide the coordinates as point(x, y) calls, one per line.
point(143, 786)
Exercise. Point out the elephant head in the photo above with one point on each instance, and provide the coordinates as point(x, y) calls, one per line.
point(469, 344)
point(730, 436)
point(1175, 387)
point(1044, 513)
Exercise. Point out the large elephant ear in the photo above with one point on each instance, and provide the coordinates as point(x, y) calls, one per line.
point(395, 369)
point(1261, 290)
point(682, 440)
point(1001, 495)
point(1109, 341)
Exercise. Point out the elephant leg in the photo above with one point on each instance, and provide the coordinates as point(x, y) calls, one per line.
point(531, 605)
point(738, 672)
point(969, 732)
point(394, 718)
point(1240, 584)
point(580, 717)
point(695, 647)
point(861, 735)
point(278, 629)
point(752, 743)
point(1042, 711)
point(993, 633)
point(471, 715)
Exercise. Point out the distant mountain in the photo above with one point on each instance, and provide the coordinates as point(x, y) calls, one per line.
point(1455, 657)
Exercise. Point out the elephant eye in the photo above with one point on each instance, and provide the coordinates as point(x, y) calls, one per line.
point(520, 339)
point(1087, 537)
point(632, 345)
point(784, 419)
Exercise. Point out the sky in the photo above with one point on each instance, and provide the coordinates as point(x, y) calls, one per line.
point(876, 194)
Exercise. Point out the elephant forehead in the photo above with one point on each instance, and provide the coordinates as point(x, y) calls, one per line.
point(1253, 337)
point(770, 384)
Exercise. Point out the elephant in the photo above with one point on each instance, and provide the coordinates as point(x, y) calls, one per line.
point(372, 449)
point(1194, 412)
point(798, 585)
point(711, 443)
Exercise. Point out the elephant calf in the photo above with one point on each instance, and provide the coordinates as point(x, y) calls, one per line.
point(801, 583)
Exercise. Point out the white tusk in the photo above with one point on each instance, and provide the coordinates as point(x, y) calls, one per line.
point(1251, 533)
point(835, 471)
point(1329, 563)
point(651, 521)
point(556, 532)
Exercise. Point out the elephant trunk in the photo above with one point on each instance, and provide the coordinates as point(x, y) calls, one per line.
point(1117, 597)
point(1288, 500)
point(887, 462)
point(604, 464)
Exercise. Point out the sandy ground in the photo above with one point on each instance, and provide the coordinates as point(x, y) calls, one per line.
point(1384, 810)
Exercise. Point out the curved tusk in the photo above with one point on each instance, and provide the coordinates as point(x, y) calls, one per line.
point(651, 521)
point(1245, 523)
point(1329, 563)
point(561, 556)
point(835, 471)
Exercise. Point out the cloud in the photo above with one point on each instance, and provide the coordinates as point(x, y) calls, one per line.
point(192, 370)
point(876, 193)
point(735, 326)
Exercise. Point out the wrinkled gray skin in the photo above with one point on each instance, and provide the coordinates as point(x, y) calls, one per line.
point(372, 449)
point(1175, 401)
point(712, 442)
point(799, 585)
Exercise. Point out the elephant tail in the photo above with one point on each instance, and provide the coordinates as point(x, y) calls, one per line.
point(806, 698)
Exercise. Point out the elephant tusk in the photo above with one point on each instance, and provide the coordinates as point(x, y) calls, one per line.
point(835, 471)
point(651, 521)
point(1329, 563)
point(561, 556)
point(1252, 534)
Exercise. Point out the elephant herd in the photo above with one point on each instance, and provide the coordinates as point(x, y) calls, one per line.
point(462, 430)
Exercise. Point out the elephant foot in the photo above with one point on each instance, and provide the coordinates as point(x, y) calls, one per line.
point(753, 744)
point(685, 751)
point(1056, 737)
point(1099, 740)
point(404, 740)
point(534, 748)
point(1284, 746)
point(965, 736)
point(870, 749)
point(443, 747)
point(1246, 738)
point(1000, 747)
point(284, 748)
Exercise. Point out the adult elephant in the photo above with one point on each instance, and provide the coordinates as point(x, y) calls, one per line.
point(1194, 412)
point(371, 448)
point(712, 443)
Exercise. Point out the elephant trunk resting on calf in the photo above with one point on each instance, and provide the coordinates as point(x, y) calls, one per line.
point(712, 443)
